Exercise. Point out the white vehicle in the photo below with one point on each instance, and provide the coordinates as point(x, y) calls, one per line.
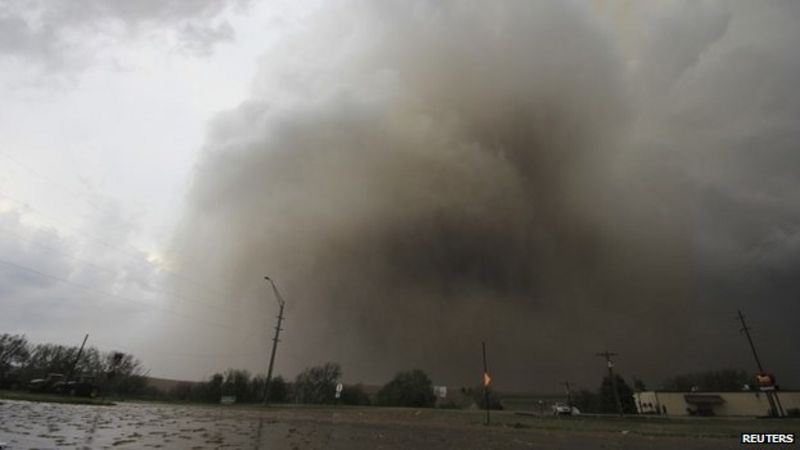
point(560, 409)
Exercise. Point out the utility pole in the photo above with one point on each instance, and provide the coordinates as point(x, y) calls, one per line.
point(569, 392)
point(607, 355)
point(486, 382)
point(77, 358)
point(274, 340)
point(772, 396)
point(746, 330)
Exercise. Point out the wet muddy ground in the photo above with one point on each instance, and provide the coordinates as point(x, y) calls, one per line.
point(29, 425)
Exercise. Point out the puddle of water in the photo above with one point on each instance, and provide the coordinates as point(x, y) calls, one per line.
point(28, 425)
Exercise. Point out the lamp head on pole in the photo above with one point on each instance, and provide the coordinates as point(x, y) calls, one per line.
point(275, 289)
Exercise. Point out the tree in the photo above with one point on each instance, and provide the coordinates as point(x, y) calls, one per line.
point(355, 395)
point(211, 390)
point(278, 390)
point(124, 374)
point(608, 402)
point(413, 388)
point(237, 383)
point(49, 358)
point(317, 384)
point(587, 401)
point(14, 354)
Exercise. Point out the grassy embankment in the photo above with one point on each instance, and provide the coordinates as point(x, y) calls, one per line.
point(51, 398)
point(701, 427)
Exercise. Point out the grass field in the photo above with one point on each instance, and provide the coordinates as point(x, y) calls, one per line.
point(697, 427)
point(51, 398)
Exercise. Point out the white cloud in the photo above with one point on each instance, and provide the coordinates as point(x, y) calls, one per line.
point(66, 35)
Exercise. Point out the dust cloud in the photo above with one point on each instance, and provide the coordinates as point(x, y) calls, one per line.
point(422, 177)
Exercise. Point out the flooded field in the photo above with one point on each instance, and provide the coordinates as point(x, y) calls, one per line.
point(29, 425)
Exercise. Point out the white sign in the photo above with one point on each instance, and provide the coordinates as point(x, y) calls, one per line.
point(339, 388)
point(440, 391)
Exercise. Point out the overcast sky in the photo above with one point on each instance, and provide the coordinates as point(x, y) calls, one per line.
point(104, 112)
point(623, 171)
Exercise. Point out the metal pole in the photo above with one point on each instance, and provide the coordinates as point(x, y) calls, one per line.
point(746, 330)
point(771, 395)
point(77, 358)
point(274, 340)
point(485, 385)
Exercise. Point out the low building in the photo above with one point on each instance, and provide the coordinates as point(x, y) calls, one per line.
point(746, 403)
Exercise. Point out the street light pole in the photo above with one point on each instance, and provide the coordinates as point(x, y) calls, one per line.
point(275, 340)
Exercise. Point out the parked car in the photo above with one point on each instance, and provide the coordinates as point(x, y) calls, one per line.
point(560, 409)
point(81, 388)
point(46, 384)
point(55, 384)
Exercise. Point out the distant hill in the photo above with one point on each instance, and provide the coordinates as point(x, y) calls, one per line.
point(166, 385)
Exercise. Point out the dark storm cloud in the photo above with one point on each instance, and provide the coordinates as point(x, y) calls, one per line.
point(63, 34)
point(422, 177)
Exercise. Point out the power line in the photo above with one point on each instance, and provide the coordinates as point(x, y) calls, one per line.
point(137, 254)
point(114, 272)
point(116, 296)
point(61, 187)
point(178, 354)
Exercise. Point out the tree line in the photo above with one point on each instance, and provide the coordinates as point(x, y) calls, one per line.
point(21, 362)
point(315, 385)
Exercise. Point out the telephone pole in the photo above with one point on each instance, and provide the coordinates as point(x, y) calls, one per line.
point(772, 396)
point(77, 359)
point(567, 385)
point(607, 355)
point(746, 330)
point(275, 340)
point(486, 382)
